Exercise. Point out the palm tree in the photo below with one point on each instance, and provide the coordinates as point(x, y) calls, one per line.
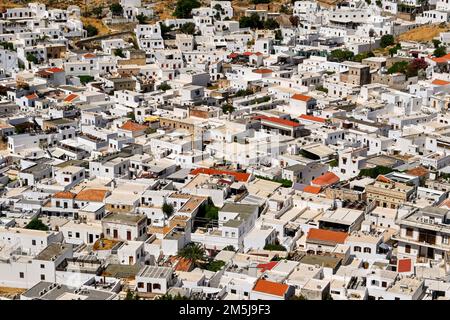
point(194, 252)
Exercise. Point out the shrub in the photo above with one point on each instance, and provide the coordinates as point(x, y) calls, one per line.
point(36, 224)
point(387, 40)
point(91, 30)
point(183, 9)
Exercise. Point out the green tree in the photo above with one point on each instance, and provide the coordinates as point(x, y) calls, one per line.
point(436, 43)
point(271, 24)
point(387, 40)
point(393, 50)
point(32, 58)
point(183, 9)
point(172, 297)
point(141, 18)
point(340, 55)
point(131, 115)
point(116, 9)
point(164, 86)
point(440, 51)
point(129, 295)
point(188, 28)
point(119, 53)
point(252, 22)
point(97, 12)
point(278, 35)
point(333, 163)
point(360, 56)
point(85, 79)
point(398, 67)
point(36, 224)
point(274, 247)
point(91, 30)
point(215, 265)
point(227, 108)
point(165, 31)
point(229, 248)
point(374, 172)
point(193, 252)
point(168, 209)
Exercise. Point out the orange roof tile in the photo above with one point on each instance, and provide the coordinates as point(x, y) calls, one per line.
point(269, 287)
point(326, 179)
point(96, 195)
point(326, 235)
point(89, 55)
point(284, 122)
point(239, 176)
point(440, 82)
point(267, 266)
point(418, 172)
point(71, 97)
point(312, 189)
point(301, 97)
point(262, 71)
point(382, 178)
point(133, 126)
point(312, 118)
point(64, 195)
point(32, 96)
point(55, 70)
point(404, 265)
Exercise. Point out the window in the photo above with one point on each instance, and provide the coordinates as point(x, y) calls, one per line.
point(445, 239)
point(108, 231)
point(407, 248)
point(357, 249)
point(140, 284)
point(367, 250)
point(42, 276)
point(157, 286)
point(42, 266)
point(409, 232)
point(69, 234)
point(33, 242)
point(77, 234)
point(21, 275)
point(384, 284)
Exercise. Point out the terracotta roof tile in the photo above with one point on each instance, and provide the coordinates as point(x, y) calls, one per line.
point(267, 266)
point(32, 96)
point(269, 287)
point(96, 195)
point(440, 82)
point(312, 189)
point(418, 172)
point(64, 195)
point(133, 126)
point(239, 176)
point(312, 118)
point(262, 71)
point(301, 97)
point(326, 179)
point(326, 235)
point(404, 265)
point(55, 70)
point(71, 97)
point(284, 122)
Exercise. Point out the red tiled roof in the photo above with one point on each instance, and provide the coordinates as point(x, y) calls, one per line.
point(64, 195)
point(247, 53)
point(440, 82)
point(382, 178)
point(267, 266)
point(71, 97)
point(312, 118)
point(233, 55)
point(326, 179)
point(418, 172)
point(32, 96)
point(55, 70)
point(301, 97)
point(269, 287)
point(96, 195)
point(133, 126)
point(262, 71)
point(326, 235)
point(312, 189)
point(443, 59)
point(284, 122)
point(239, 176)
point(89, 55)
point(404, 265)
